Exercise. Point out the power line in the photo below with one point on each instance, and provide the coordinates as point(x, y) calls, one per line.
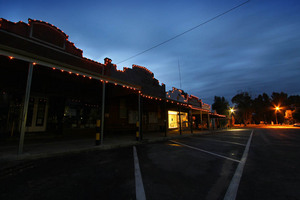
point(179, 74)
point(176, 36)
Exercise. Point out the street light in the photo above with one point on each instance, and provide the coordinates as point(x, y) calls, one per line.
point(231, 110)
point(277, 108)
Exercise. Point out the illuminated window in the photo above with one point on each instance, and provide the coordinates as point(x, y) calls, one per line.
point(174, 119)
point(184, 120)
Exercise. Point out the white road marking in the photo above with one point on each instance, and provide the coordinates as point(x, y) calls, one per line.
point(205, 151)
point(220, 141)
point(139, 187)
point(235, 181)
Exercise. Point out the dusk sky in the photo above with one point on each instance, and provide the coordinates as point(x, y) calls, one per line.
point(254, 48)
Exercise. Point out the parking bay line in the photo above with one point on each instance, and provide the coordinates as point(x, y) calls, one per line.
point(235, 181)
point(220, 141)
point(234, 160)
point(139, 187)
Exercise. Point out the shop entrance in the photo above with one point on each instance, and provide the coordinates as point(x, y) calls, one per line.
point(37, 114)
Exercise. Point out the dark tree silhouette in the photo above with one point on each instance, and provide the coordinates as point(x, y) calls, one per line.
point(244, 110)
point(294, 101)
point(296, 115)
point(262, 109)
point(294, 104)
point(220, 105)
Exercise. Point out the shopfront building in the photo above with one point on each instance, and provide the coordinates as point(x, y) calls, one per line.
point(47, 86)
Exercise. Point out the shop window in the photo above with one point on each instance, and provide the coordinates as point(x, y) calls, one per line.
point(36, 114)
point(123, 108)
point(133, 116)
point(153, 118)
point(30, 112)
point(184, 120)
point(41, 110)
point(173, 117)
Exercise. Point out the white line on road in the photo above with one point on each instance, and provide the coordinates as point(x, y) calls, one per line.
point(139, 187)
point(205, 151)
point(235, 181)
point(220, 141)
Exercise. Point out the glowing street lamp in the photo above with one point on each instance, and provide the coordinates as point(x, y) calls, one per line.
point(231, 111)
point(277, 108)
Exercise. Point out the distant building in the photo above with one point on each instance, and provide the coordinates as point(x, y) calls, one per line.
point(189, 112)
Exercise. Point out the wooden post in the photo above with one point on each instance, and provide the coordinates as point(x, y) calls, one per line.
point(25, 108)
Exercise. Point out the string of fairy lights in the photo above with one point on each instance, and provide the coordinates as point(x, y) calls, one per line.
point(146, 96)
point(171, 101)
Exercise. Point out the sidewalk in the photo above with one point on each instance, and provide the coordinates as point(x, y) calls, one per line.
point(43, 148)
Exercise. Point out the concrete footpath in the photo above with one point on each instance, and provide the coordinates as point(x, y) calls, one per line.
point(43, 148)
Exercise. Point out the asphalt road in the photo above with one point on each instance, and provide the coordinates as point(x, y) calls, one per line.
point(197, 167)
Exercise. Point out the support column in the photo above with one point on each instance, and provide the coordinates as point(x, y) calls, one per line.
point(166, 118)
point(191, 119)
point(98, 125)
point(208, 121)
point(139, 135)
point(180, 131)
point(25, 108)
point(102, 113)
point(201, 121)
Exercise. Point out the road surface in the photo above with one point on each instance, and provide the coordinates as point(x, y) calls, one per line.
point(235, 164)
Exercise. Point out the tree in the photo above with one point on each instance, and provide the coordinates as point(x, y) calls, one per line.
point(243, 104)
point(296, 115)
point(294, 101)
point(220, 105)
point(261, 107)
point(279, 99)
point(294, 104)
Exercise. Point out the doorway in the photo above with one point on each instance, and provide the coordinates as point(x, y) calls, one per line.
point(37, 114)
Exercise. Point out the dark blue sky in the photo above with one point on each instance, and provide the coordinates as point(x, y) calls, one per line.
point(255, 48)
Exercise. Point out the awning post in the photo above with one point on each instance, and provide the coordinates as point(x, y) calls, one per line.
point(139, 123)
point(180, 131)
point(25, 108)
point(191, 120)
point(166, 118)
point(102, 113)
point(208, 121)
point(201, 122)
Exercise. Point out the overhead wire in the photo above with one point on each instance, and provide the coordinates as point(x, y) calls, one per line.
point(191, 29)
